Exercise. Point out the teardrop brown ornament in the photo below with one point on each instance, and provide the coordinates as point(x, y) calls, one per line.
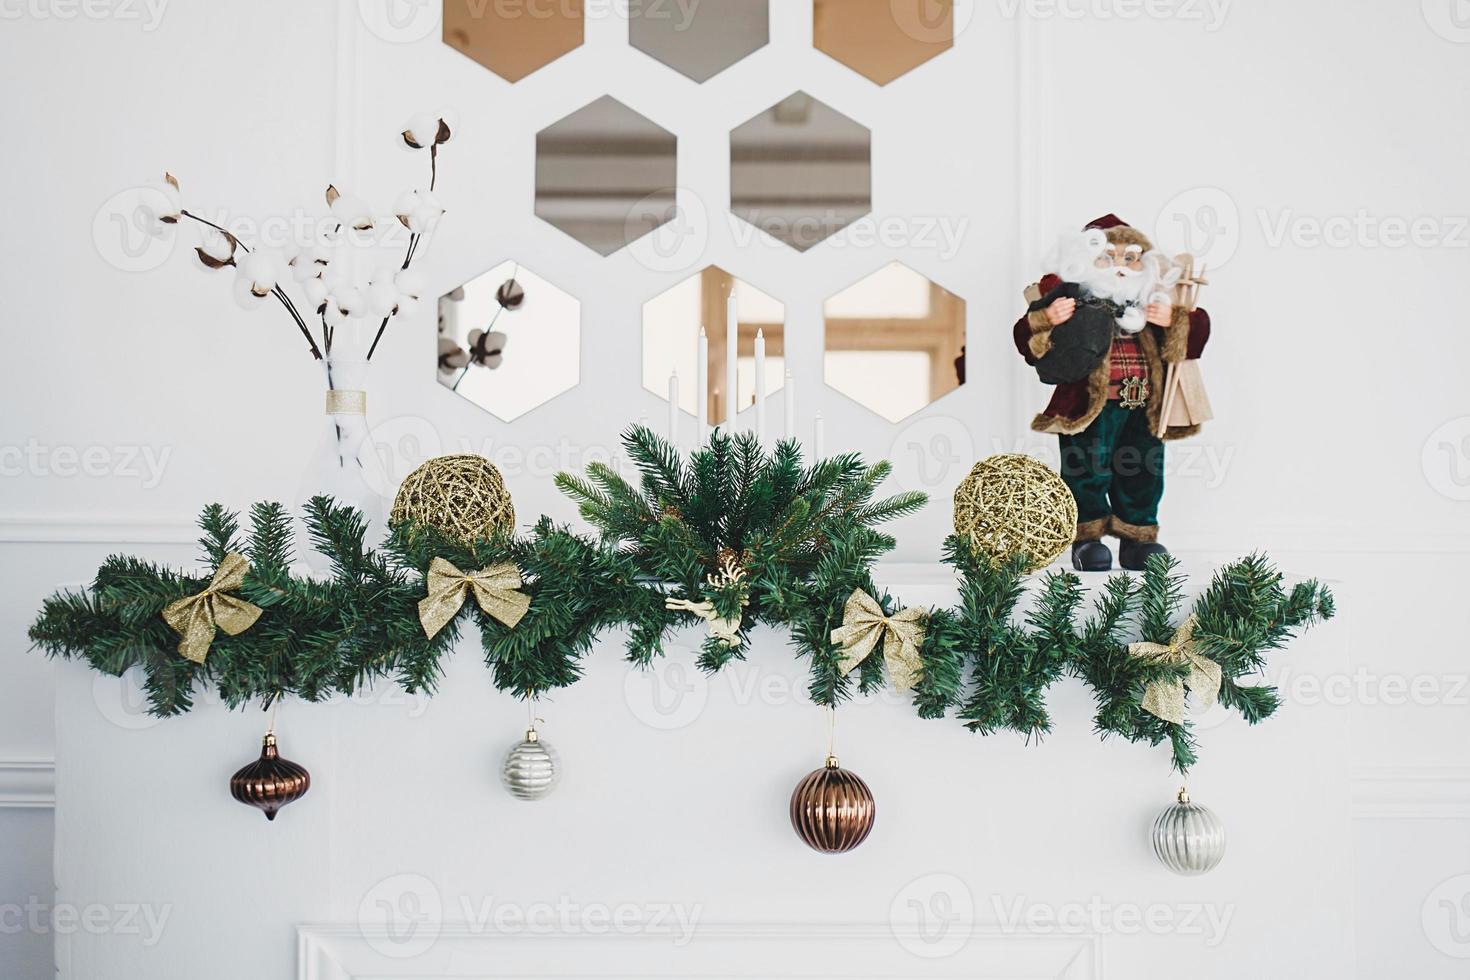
point(270, 782)
point(832, 810)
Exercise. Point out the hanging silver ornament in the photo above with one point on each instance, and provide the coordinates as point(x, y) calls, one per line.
point(1188, 838)
point(531, 768)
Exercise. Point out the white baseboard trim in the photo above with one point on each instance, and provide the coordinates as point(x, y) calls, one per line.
point(27, 785)
point(60, 529)
point(1411, 793)
point(355, 952)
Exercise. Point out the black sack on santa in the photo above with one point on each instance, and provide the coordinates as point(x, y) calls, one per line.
point(1079, 345)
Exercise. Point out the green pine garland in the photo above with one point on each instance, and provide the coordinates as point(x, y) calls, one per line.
point(760, 537)
point(361, 625)
point(804, 536)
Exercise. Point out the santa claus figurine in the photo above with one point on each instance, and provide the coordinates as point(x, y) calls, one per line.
point(1102, 326)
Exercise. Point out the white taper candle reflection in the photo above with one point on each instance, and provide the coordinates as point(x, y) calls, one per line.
point(732, 352)
point(701, 388)
point(760, 387)
point(789, 399)
point(674, 408)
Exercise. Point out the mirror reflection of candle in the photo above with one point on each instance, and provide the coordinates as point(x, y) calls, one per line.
point(760, 386)
point(674, 408)
point(790, 401)
point(732, 341)
point(701, 388)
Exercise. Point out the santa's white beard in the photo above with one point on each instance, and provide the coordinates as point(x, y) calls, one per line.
point(1122, 286)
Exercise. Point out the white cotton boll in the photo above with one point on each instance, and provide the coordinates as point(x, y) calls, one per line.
point(263, 269)
point(160, 206)
point(309, 263)
point(407, 210)
point(420, 130)
point(352, 212)
point(316, 292)
point(418, 210)
point(410, 282)
point(382, 298)
point(246, 296)
point(215, 250)
point(450, 118)
point(351, 301)
point(426, 129)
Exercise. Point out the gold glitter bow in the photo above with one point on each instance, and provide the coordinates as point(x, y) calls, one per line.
point(196, 617)
point(724, 629)
point(864, 624)
point(496, 589)
point(1165, 698)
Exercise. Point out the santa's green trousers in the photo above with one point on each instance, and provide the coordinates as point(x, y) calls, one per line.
point(1115, 469)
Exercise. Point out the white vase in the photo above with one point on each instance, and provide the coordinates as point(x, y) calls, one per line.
point(345, 464)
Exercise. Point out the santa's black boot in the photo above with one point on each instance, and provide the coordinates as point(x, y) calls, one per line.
point(1134, 555)
point(1091, 556)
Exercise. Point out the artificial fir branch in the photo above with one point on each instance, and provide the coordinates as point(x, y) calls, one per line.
point(762, 538)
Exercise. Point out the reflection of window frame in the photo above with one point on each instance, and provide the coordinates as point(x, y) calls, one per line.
point(714, 289)
point(940, 334)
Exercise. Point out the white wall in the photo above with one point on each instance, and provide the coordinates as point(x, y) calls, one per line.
point(1336, 373)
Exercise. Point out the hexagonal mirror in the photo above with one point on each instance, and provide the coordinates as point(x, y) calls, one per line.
point(883, 39)
point(673, 346)
point(605, 175)
point(801, 171)
point(699, 39)
point(509, 341)
point(895, 342)
point(513, 39)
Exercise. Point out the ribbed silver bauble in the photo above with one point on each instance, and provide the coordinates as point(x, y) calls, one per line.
point(1189, 839)
point(531, 768)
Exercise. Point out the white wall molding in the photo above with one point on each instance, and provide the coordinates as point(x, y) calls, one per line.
point(27, 785)
point(1411, 793)
point(349, 952)
point(87, 529)
point(83, 529)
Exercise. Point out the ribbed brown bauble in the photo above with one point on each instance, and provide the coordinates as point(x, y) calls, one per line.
point(832, 810)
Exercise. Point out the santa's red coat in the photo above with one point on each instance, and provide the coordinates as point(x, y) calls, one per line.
point(1073, 406)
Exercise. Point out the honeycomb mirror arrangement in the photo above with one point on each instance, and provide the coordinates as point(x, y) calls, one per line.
point(730, 537)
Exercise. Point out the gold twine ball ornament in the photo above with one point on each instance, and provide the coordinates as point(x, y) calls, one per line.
point(1013, 504)
point(461, 497)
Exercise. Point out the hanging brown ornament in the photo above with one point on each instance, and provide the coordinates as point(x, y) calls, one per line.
point(832, 810)
point(270, 782)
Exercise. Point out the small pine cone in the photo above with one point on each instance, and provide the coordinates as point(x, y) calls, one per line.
point(673, 512)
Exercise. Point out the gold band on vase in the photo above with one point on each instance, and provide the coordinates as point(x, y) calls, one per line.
point(345, 401)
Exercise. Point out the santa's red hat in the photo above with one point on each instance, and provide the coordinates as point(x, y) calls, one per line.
point(1119, 231)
